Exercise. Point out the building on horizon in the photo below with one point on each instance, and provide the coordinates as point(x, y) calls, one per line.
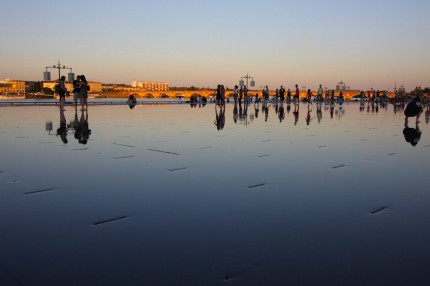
point(133, 83)
point(153, 86)
point(12, 86)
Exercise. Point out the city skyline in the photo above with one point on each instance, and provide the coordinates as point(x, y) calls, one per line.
point(189, 43)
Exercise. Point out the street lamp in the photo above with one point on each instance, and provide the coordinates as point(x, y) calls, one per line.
point(247, 77)
point(47, 74)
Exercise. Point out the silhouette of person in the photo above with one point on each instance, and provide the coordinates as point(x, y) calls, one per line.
point(282, 94)
point(77, 91)
point(245, 94)
point(84, 92)
point(235, 93)
point(62, 91)
point(222, 95)
point(309, 96)
point(218, 95)
point(297, 95)
point(412, 135)
point(414, 108)
point(62, 130)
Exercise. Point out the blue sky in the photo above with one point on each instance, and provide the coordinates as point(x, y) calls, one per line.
point(202, 43)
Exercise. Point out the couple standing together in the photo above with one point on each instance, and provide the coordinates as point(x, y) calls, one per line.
point(80, 91)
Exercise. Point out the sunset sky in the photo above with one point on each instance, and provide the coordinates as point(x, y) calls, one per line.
point(202, 43)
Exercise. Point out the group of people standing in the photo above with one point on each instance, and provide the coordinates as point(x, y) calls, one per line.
point(80, 92)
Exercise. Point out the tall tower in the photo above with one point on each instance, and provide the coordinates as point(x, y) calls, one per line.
point(133, 83)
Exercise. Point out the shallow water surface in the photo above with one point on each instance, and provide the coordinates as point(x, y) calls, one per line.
point(174, 195)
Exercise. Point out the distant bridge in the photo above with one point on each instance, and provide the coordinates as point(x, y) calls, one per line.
point(175, 93)
point(348, 94)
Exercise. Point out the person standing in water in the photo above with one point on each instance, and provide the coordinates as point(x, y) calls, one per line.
point(84, 93)
point(235, 93)
point(223, 95)
point(245, 94)
point(282, 94)
point(62, 91)
point(77, 91)
point(309, 96)
point(218, 97)
point(320, 93)
point(297, 95)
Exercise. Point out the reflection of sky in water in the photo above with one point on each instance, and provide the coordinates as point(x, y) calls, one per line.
point(159, 196)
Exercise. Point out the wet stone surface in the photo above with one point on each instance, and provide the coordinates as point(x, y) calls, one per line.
point(173, 195)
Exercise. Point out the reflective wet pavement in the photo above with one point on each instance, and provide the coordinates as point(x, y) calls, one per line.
point(174, 195)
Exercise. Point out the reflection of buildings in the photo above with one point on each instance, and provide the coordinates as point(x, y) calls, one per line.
point(94, 86)
point(12, 86)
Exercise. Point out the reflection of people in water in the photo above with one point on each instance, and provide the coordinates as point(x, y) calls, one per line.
point(131, 101)
point(256, 108)
point(82, 133)
point(62, 131)
point(362, 107)
point(76, 123)
point(427, 115)
point(412, 135)
point(235, 112)
point(296, 113)
point(265, 108)
point(319, 112)
point(414, 108)
point(281, 112)
point(308, 116)
point(219, 117)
